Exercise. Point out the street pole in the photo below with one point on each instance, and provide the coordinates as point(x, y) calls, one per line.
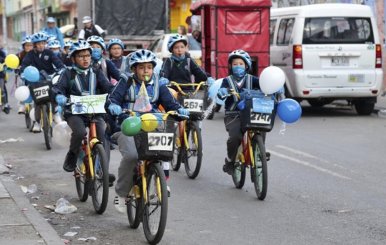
point(5, 37)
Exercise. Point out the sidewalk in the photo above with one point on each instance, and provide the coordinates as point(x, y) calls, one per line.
point(20, 222)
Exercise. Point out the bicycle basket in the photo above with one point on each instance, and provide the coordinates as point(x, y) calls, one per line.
point(258, 114)
point(158, 144)
point(196, 103)
point(41, 92)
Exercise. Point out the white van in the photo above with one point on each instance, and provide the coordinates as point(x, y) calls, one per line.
point(328, 52)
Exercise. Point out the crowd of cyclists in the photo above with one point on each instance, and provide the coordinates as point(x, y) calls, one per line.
point(90, 66)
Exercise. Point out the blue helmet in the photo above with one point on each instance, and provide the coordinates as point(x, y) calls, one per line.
point(78, 46)
point(239, 53)
point(98, 40)
point(53, 44)
point(68, 44)
point(26, 39)
point(142, 56)
point(115, 41)
point(174, 39)
point(39, 37)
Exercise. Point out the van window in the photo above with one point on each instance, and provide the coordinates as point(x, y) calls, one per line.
point(285, 31)
point(337, 30)
point(272, 25)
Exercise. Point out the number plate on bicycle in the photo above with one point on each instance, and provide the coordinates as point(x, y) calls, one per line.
point(194, 105)
point(88, 104)
point(41, 92)
point(160, 141)
point(263, 105)
point(260, 118)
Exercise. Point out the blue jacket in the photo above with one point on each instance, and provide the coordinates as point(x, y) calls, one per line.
point(126, 91)
point(55, 31)
point(108, 68)
point(42, 61)
point(248, 82)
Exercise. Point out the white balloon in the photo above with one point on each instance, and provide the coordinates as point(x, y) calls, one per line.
point(271, 79)
point(22, 93)
point(32, 114)
point(61, 134)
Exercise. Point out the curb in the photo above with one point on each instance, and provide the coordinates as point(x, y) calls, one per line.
point(42, 227)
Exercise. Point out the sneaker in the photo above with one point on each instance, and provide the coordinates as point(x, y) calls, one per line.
point(228, 166)
point(6, 109)
point(69, 164)
point(267, 155)
point(120, 204)
point(21, 109)
point(36, 128)
point(111, 180)
point(168, 188)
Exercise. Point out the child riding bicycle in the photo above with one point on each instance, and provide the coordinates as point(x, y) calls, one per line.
point(124, 95)
point(239, 81)
point(81, 79)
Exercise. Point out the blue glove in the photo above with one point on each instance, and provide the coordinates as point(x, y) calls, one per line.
point(61, 99)
point(222, 93)
point(58, 109)
point(245, 95)
point(183, 111)
point(163, 81)
point(115, 109)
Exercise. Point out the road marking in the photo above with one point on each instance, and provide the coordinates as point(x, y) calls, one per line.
point(305, 154)
point(307, 164)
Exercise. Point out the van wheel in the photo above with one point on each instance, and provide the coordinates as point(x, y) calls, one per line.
point(319, 102)
point(364, 107)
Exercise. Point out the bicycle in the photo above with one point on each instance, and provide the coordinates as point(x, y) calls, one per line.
point(150, 190)
point(189, 139)
point(41, 95)
point(256, 118)
point(92, 174)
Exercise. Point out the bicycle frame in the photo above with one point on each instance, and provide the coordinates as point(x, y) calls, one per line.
point(142, 172)
point(245, 151)
point(48, 106)
point(91, 141)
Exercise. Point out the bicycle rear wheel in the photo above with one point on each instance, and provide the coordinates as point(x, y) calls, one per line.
point(176, 161)
point(100, 184)
point(238, 175)
point(82, 183)
point(259, 173)
point(46, 125)
point(134, 211)
point(156, 209)
point(27, 118)
point(193, 156)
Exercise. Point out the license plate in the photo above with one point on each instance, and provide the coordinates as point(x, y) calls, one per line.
point(260, 118)
point(193, 105)
point(340, 61)
point(356, 78)
point(160, 141)
point(263, 105)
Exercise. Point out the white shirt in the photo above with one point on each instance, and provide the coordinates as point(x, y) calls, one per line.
point(82, 32)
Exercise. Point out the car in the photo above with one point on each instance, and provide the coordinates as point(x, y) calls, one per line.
point(160, 48)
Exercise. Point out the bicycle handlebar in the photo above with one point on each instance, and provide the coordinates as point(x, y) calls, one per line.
point(172, 113)
point(179, 85)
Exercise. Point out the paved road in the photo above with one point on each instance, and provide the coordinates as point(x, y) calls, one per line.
point(326, 186)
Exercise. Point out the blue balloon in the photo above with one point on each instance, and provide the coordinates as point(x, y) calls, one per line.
point(289, 110)
point(29, 100)
point(31, 74)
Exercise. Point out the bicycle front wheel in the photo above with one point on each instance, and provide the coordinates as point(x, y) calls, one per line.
point(100, 184)
point(193, 156)
point(46, 125)
point(259, 173)
point(156, 209)
point(238, 175)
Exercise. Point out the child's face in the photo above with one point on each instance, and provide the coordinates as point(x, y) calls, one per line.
point(144, 71)
point(238, 62)
point(55, 49)
point(28, 47)
point(95, 45)
point(116, 51)
point(40, 46)
point(179, 49)
point(82, 59)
